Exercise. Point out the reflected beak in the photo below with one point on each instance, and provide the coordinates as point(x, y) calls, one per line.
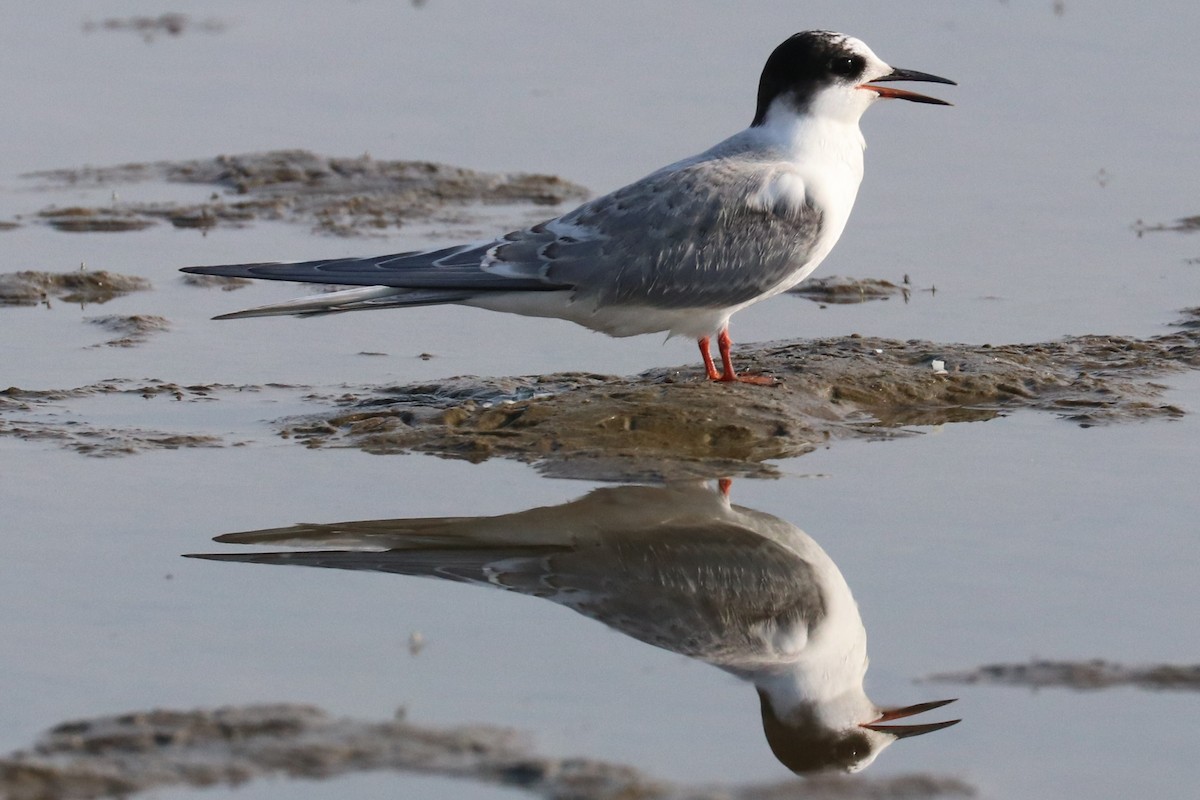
point(901, 94)
point(904, 731)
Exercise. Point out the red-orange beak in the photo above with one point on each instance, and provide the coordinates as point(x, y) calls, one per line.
point(904, 731)
point(901, 94)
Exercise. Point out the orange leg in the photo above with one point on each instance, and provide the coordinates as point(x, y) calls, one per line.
point(727, 375)
point(709, 366)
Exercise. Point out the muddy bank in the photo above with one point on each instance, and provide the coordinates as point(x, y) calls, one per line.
point(97, 440)
point(837, 290)
point(131, 329)
point(342, 196)
point(222, 282)
point(1181, 225)
point(673, 423)
point(50, 415)
point(122, 755)
point(150, 28)
point(29, 287)
point(1094, 674)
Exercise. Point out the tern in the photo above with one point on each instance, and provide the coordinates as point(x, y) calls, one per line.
point(678, 567)
point(678, 251)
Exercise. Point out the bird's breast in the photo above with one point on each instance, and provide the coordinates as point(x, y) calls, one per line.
point(781, 192)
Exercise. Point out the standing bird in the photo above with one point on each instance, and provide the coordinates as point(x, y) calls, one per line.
point(677, 567)
point(681, 249)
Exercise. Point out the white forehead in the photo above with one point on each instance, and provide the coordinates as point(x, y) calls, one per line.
point(876, 66)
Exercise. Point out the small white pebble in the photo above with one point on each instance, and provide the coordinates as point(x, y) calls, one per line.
point(939, 367)
point(879, 350)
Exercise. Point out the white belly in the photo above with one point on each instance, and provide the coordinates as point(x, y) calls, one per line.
point(623, 320)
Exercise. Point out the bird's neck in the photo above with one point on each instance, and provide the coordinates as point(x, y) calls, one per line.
point(811, 139)
point(835, 697)
point(833, 662)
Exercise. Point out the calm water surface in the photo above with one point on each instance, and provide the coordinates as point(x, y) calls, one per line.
point(966, 544)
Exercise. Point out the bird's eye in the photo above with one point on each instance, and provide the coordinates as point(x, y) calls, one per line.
point(845, 65)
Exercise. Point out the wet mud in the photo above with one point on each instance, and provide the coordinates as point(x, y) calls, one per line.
point(49, 415)
point(837, 290)
point(340, 196)
point(220, 281)
point(150, 28)
point(119, 756)
point(673, 423)
point(131, 329)
point(1081, 675)
point(95, 440)
point(1181, 225)
point(76, 219)
point(30, 288)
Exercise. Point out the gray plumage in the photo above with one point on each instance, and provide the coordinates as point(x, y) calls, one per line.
point(720, 590)
point(680, 250)
point(677, 567)
point(670, 240)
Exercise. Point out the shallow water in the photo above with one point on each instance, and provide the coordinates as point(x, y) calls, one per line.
point(965, 544)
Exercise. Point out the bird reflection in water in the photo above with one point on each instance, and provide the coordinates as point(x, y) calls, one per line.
point(678, 567)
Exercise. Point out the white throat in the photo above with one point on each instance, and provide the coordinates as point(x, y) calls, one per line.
point(821, 159)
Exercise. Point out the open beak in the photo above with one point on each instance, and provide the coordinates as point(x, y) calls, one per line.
point(904, 731)
point(901, 94)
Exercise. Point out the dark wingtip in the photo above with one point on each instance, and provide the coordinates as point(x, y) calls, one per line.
point(230, 270)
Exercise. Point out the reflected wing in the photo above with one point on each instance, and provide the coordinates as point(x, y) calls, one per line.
point(466, 566)
point(721, 593)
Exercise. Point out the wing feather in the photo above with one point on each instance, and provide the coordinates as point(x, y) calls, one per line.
point(695, 235)
point(691, 237)
point(456, 268)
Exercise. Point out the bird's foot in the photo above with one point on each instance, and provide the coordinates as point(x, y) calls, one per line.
point(733, 377)
point(727, 374)
point(755, 380)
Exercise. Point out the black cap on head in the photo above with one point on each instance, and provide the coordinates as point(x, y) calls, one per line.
point(805, 746)
point(803, 65)
point(813, 60)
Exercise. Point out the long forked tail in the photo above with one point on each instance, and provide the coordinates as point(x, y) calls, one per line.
point(417, 278)
point(360, 298)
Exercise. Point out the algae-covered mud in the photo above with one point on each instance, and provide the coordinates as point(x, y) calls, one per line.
point(150, 28)
point(671, 422)
point(842, 291)
point(1180, 225)
point(994, 271)
point(70, 418)
point(82, 286)
point(130, 329)
point(342, 196)
point(1082, 675)
point(123, 755)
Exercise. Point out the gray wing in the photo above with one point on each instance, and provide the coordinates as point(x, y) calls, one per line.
point(715, 592)
point(452, 268)
point(474, 565)
point(683, 237)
